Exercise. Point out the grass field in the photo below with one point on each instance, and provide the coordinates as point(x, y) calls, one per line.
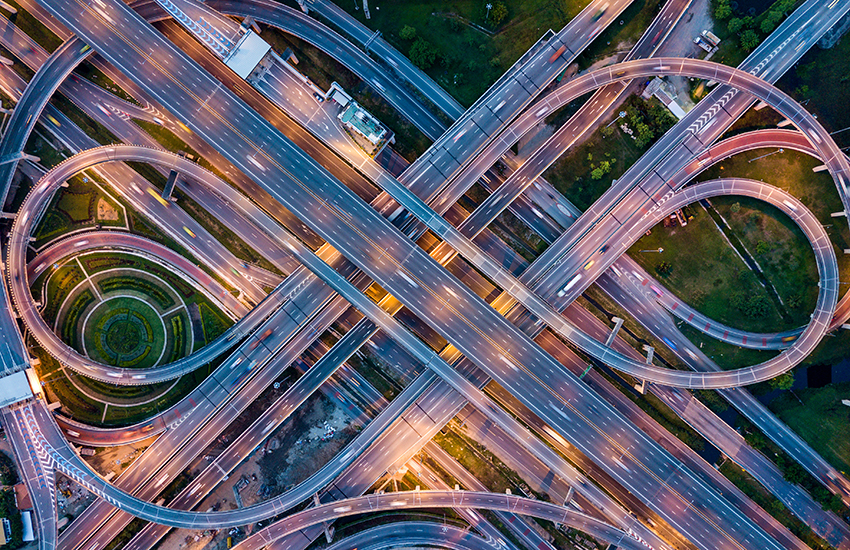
point(706, 272)
point(820, 420)
point(572, 174)
point(75, 207)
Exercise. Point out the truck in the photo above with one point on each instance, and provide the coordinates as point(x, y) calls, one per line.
point(557, 54)
point(711, 38)
point(702, 43)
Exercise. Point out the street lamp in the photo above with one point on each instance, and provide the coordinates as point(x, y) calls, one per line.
point(767, 155)
point(659, 250)
point(489, 7)
point(622, 114)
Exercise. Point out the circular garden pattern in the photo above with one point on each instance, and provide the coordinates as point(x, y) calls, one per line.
point(124, 331)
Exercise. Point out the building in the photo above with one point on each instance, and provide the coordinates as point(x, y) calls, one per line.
point(22, 497)
point(247, 54)
point(357, 119)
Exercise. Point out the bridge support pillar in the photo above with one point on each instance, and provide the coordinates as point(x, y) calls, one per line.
point(617, 324)
point(821, 168)
point(169, 185)
point(761, 105)
point(841, 214)
point(641, 388)
point(570, 495)
point(303, 6)
point(784, 123)
point(329, 531)
point(650, 353)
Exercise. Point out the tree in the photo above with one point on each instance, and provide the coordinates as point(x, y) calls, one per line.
point(735, 25)
point(722, 9)
point(607, 130)
point(422, 53)
point(757, 307)
point(749, 40)
point(735, 208)
point(762, 248)
point(498, 13)
point(664, 269)
point(782, 382)
point(767, 25)
point(644, 134)
point(407, 33)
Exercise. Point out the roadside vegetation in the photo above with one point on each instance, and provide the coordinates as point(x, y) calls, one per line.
point(323, 70)
point(742, 29)
point(461, 45)
point(585, 172)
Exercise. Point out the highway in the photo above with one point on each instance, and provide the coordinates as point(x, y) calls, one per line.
point(644, 184)
point(405, 533)
point(178, 100)
point(313, 32)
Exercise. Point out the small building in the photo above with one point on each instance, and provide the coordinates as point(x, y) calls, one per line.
point(6, 531)
point(359, 120)
point(247, 54)
point(659, 88)
point(26, 519)
point(14, 387)
point(22, 497)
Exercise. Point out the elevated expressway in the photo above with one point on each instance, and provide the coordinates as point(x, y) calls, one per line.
point(660, 215)
point(404, 534)
point(313, 32)
point(49, 441)
point(470, 350)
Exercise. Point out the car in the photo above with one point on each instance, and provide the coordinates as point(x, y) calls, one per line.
point(189, 232)
point(669, 343)
point(589, 264)
point(604, 249)
point(656, 290)
point(318, 97)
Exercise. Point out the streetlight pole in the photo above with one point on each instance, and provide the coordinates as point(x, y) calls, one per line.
point(658, 250)
point(489, 7)
point(767, 155)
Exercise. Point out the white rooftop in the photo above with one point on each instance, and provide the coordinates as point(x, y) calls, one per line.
point(249, 51)
point(13, 388)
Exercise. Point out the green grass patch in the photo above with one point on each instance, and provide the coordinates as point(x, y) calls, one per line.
point(114, 284)
point(585, 172)
point(59, 284)
point(779, 247)
point(468, 60)
point(819, 420)
point(214, 322)
point(80, 205)
point(706, 273)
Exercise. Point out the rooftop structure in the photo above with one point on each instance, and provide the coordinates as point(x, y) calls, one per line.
point(15, 387)
point(359, 120)
point(247, 54)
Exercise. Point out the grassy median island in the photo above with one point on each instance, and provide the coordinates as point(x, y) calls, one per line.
point(123, 310)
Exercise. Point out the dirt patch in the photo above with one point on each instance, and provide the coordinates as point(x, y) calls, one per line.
point(71, 497)
point(117, 459)
point(305, 443)
point(105, 211)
